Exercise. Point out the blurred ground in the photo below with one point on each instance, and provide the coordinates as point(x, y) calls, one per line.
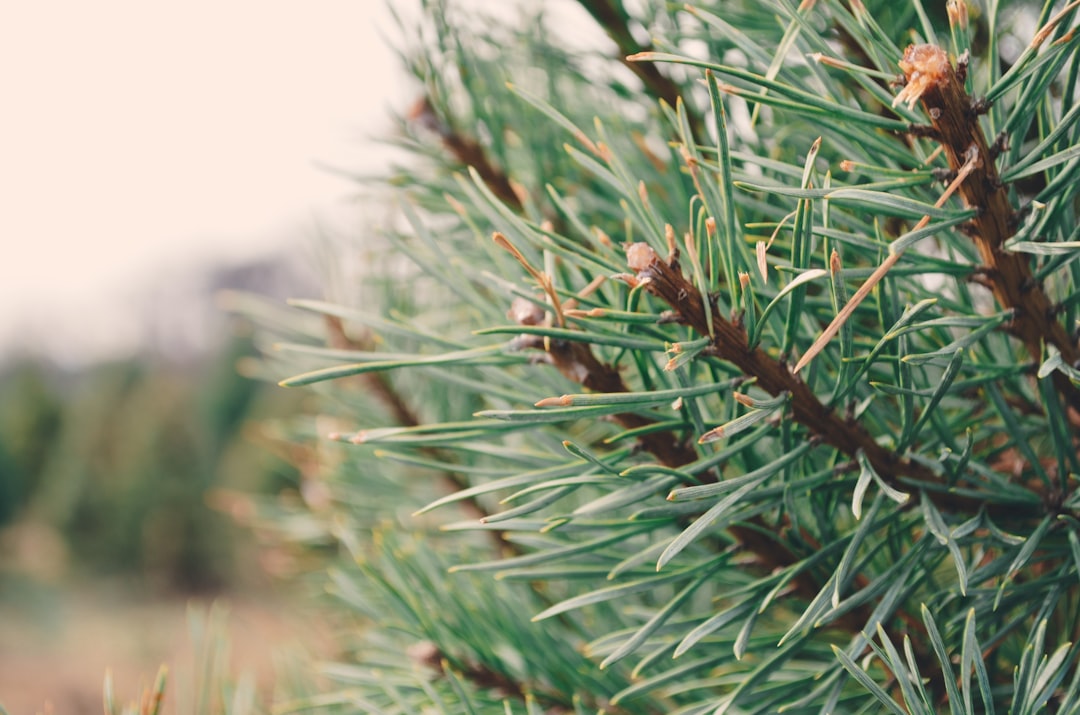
point(106, 474)
point(55, 646)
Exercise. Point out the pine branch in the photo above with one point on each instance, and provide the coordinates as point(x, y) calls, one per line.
point(1010, 567)
point(664, 280)
point(380, 386)
point(932, 80)
point(578, 364)
point(428, 654)
point(613, 18)
point(557, 702)
point(468, 152)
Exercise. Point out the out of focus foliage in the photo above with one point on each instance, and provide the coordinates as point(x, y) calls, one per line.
point(106, 471)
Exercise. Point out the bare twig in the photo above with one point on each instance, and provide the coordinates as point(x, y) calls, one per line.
point(830, 332)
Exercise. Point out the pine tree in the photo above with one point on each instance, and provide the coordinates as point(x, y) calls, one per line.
point(729, 371)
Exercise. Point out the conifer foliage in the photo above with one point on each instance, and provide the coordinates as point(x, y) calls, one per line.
point(724, 364)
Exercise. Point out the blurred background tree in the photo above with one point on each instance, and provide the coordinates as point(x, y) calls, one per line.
point(106, 471)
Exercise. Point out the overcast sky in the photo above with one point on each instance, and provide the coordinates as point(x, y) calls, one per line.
point(142, 139)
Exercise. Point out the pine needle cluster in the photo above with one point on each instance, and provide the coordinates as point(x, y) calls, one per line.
point(725, 364)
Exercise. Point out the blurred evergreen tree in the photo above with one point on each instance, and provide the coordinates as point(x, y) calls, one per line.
point(30, 419)
point(118, 460)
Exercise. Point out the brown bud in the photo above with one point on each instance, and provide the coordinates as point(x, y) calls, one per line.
point(525, 312)
point(640, 256)
point(924, 66)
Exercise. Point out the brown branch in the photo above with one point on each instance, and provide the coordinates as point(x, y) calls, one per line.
point(730, 343)
point(428, 654)
point(932, 80)
point(378, 385)
point(577, 359)
point(613, 18)
point(577, 363)
point(467, 151)
point(557, 702)
point(665, 281)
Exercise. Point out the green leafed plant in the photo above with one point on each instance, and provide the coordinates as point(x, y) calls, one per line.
point(729, 371)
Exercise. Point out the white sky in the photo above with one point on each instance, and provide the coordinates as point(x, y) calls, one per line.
point(139, 139)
